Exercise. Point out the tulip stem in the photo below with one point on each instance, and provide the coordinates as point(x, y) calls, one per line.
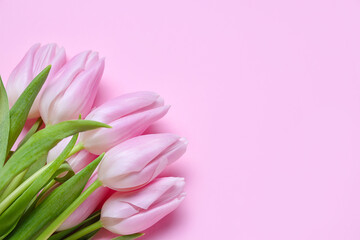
point(65, 214)
point(77, 148)
point(93, 227)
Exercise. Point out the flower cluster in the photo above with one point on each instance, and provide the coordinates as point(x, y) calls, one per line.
point(69, 178)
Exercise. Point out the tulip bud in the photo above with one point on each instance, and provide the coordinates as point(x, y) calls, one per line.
point(34, 61)
point(73, 89)
point(77, 162)
point(133, 212)
point(87, 207)
point(134, 163)
point(129, 115)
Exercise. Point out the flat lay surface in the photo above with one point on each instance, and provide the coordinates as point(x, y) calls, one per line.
point(266, 92)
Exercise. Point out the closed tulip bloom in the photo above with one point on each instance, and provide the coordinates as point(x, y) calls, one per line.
point(73, 89)
point(134, 163)
point(128, 115)
point(87, 207)
point(36, 59)
point(133, 212)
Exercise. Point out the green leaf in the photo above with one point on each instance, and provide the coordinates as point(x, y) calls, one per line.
point(41, 161)
point(63, 234)
point(35, 167)
point(129, 237)
point(15, 182)
point(12, 214)
point(53, 205)
point(89, 235)
point(4, 204)
point(39, 145)
point(65, 167)
point(4, 123)
point(34, 128)
point(22, 106)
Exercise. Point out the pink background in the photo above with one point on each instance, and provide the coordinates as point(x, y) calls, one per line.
point(267, 92)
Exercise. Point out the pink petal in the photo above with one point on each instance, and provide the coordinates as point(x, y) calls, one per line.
point(141, 221)
point(79, 96)
point(123, 105)
point(133, 155)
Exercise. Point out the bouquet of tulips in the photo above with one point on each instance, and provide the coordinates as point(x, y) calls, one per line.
point(64, 177)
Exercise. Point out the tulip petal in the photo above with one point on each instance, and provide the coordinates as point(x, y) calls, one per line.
point(129, 115)
point(55, 151)
point(23, 72)
point(126, 157)
point(134, 180)
point(123, 105)
point(141, 221)
point(35, 60)
point(81, 160)
point(132, 212)
point(80, 95)
point(122, 129)
point(161, 190)
point(56, 57)
point(85, 209)
point(73, 89)
point(21, 76)
point(119, 209)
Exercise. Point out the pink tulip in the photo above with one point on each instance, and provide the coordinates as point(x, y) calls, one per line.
point(77, 162)
point(133, 212)
point(34, 61)
point(129, 115)
point(134, 163)
point(73, 89)
point(87, 207)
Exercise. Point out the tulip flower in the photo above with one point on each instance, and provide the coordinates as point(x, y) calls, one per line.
point(73, 89)
point(87, 207)
point(135, 162)
point(128, 115)
point(115, 188)
point(129, 166)
point(77, 162)
point(34, 61)
point(133, 212)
